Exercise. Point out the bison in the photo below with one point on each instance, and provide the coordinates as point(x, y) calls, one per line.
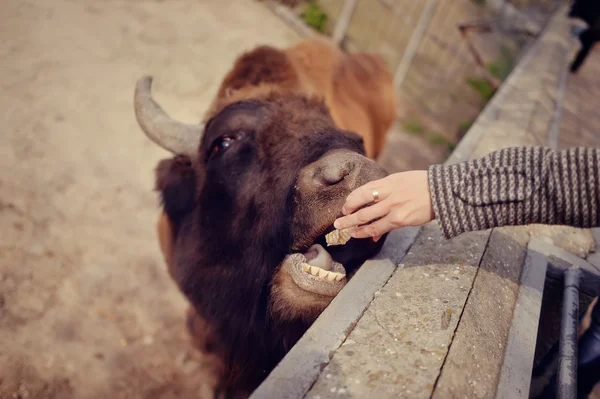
point(251, 192)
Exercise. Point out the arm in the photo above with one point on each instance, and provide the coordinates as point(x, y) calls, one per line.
point(513, 186)
point(518, 186)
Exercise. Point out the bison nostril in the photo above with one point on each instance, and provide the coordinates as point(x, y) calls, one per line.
point(331, 175)
point(331, 181)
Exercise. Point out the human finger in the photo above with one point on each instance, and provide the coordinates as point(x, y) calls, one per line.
point(375, 229)
point(363, 215)
point(374, 191)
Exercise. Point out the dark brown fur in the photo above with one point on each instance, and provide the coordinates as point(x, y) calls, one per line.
point(231, 214)
point(356, 88)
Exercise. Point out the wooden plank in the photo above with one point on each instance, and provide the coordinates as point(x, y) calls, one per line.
point(515, 376)
point(297, 372)
point(472, 367)
point(399, 345)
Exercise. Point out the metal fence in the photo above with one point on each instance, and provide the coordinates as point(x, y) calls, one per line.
point(571, 364)
point(448, 56)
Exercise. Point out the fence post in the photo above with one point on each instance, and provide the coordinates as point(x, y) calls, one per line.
point(339, 32)
point(413, 44)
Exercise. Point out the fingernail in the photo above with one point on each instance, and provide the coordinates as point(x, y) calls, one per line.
point(336, 224)
point(344, 210)
point(375, 239)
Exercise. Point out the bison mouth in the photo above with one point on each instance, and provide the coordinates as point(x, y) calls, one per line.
point(326, 271)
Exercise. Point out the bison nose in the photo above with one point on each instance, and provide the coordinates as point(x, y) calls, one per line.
point(332, 173)
point(343, 169)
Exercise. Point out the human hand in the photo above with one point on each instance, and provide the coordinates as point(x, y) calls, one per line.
point(404, 200)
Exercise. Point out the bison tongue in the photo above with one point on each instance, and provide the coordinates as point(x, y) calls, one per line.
point(319, 257)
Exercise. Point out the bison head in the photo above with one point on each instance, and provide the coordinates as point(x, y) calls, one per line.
point(250, 197)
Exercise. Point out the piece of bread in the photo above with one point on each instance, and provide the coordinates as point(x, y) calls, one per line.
point(339, 237)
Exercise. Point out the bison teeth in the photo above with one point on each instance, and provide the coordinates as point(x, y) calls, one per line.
point(339, 237)
point(322, 274)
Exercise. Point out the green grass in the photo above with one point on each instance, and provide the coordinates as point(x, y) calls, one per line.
point(501, 67)
point(315, 17)
point(483, 87)
point(439, 140)
point(464, 127)
point(415, 127)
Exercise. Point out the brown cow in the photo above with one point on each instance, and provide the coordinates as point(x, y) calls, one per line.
point(252, 192)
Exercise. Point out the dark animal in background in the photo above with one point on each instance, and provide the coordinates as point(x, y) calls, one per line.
point(589, 12)
point(251, 193)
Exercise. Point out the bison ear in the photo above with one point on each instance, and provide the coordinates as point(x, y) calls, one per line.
point(176, 182)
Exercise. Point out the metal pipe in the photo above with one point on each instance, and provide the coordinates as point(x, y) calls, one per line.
point(567, 366)
point(415, 40)
point(339, 32)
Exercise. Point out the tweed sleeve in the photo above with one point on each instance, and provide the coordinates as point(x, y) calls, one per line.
point(518, 186)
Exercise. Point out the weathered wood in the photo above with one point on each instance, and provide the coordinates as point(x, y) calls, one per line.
point(472, 367)
point(297, 372)
point(399, 345)
point(515, 376)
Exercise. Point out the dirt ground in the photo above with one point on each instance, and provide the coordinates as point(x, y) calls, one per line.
point(86, 307)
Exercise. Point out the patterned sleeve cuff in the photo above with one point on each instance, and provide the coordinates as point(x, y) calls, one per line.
point(491, 191)
point(516, 186)
point(445, 205)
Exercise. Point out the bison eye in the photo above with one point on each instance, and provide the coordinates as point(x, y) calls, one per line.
point(223, 143)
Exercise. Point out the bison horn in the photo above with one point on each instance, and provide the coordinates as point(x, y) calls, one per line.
point(174, 136)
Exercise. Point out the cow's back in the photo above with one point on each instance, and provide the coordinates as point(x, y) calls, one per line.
point(358, 88)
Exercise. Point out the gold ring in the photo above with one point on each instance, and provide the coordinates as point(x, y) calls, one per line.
point(375, 195)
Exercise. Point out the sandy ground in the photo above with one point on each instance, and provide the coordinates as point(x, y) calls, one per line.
point(86, 307)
